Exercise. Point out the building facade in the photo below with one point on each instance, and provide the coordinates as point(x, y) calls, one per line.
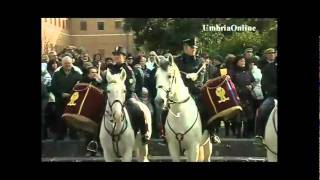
point(95, 35)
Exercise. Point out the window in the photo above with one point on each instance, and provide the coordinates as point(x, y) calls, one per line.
point(118, 24)
point(63, 24)
point(83, 25)
point(59, 22)
point(100, 25)
point(45, 19)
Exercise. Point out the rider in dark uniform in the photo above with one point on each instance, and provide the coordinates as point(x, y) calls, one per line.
point(189, 63)
point(135, 113)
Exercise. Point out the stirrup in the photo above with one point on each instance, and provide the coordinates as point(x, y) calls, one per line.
point(215, 139)
point(145, 139)
point(95, 145)
point(258, 140)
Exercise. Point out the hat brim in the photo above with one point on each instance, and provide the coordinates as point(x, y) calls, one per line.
point(119, 53)
point(269, 52)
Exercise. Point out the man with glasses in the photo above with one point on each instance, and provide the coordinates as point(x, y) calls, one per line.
point(269, 56)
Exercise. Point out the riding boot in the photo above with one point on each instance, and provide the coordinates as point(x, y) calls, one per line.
point(145, 138)
point(163, 117)
point(227, 128)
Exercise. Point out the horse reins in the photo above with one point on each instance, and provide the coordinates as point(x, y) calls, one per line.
point(179, 136)
point(116, 137)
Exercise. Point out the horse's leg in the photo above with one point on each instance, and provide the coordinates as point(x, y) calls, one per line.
point(174, 151)
point(193, 152)
point(207, 148)
point(108, 157)
point(103, 141)
point(271, 157)
point(127, 156)
point(107, 153)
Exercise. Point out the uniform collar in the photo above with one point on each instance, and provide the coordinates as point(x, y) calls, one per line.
point(188, 57)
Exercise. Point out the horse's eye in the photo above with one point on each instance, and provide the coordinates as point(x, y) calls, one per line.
point(124, 91)
point(108, 91)
point(169, 76)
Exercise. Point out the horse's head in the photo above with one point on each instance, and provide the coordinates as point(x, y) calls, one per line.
point(116, 92)
point(167, 77)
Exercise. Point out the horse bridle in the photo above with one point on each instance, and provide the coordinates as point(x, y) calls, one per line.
point(111, 105)
point(167, 91)
point(179, 136)
point(115, 137)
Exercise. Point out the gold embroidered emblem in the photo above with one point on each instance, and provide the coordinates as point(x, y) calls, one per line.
point(73, 98)
point(220, 92)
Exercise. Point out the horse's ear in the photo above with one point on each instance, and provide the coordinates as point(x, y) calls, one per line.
point(157, 61)
point(170, 58)
point(108, 75)
point(123, 75)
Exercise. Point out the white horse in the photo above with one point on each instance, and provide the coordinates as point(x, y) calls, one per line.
point(183, 124)
point(271, 135)
point(116, 133)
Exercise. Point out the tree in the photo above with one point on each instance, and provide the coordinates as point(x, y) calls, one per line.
point(236, 43)
point(164, 34)
point(210, 42)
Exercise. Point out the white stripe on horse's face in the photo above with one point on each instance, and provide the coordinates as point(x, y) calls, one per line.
point(162, 85)
point(169, 79)
point(116, 90)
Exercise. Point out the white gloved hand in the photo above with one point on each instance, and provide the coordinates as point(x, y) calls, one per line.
point(192, 76)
